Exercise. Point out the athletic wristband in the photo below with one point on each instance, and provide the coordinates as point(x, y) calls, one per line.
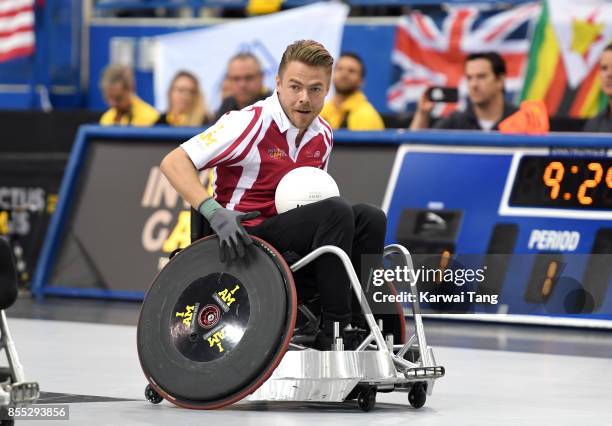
point(209, 207)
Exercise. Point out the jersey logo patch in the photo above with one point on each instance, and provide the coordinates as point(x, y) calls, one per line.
point(208, 137)
point(276, 153)
point(316, 154)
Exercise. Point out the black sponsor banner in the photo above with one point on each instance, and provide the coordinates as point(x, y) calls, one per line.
point(29, 184)
point(125, 218)
point(38, 131)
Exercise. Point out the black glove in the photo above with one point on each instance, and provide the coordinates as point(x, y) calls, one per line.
point(233, 238)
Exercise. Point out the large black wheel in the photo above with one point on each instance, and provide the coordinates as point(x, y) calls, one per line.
point(418, 394)
point(366, 399)
point(211, 333)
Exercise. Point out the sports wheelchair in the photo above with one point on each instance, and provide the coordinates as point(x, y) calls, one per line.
point(211, 334)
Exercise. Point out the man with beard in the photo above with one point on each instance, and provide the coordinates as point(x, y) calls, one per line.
point(245, 83)
point(603, 122)
point(349, 108)
point(486, 108)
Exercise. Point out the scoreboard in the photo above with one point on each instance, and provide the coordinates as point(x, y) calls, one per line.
point(555, 182)
point(540, 218)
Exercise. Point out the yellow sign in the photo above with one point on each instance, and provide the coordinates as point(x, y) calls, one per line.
point(180, 236)
point(4, 223)
point(216, 339)
point(51, 203)
point(228, 296)
point(187, 315)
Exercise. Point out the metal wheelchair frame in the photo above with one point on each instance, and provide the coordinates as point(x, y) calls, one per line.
point(377, 365)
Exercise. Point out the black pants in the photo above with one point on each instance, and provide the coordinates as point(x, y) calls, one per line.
point(358, 230)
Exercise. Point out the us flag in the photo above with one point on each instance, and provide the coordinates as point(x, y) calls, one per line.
point(431, 50)
point(16, 29)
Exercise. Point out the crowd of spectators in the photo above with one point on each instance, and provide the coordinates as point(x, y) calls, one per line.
point(485, 109)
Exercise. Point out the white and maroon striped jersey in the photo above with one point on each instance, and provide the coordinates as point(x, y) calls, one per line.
point(252, 150)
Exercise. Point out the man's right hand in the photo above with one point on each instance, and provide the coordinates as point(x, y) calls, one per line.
point(422, 113)
point(233, 238)
point(425, 106)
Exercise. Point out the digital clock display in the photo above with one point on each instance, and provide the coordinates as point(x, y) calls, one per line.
point(563, 182)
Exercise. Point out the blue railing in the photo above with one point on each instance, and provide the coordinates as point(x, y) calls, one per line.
point(388, 137)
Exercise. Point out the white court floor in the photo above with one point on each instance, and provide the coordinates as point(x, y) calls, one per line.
point(481, 387)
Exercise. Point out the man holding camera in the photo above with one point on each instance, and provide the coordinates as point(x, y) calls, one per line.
point(486, 108)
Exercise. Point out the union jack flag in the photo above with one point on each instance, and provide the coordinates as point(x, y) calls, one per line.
point(430, 50)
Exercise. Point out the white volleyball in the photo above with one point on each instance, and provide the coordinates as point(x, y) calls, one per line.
point(304, 185)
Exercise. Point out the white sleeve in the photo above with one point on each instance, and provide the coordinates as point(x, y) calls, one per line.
point(223, 140)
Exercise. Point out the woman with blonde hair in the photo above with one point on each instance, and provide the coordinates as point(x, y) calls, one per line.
point(186, 102)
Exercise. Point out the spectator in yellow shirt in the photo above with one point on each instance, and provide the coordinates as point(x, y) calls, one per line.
point(126, 109)
point(349, 108)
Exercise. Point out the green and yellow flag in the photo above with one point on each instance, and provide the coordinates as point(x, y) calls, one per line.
point(563, 65)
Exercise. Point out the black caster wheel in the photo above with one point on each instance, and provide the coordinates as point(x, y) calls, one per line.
point(152, 396)
point(366, 399)
point(418, 395)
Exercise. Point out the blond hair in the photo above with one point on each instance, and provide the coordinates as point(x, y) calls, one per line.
point(308, 52)
point(115, 73)
point(199, 112)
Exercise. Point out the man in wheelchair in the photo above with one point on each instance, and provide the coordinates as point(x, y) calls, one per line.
point(251, 150)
